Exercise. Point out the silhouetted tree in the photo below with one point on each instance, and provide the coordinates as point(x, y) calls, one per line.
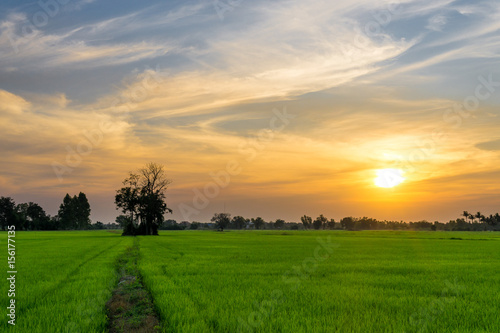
point(279, 223)
point(74, 212)
point(21, 215)
point(99, 225)
point(347, 223)
point(239, 222)
point(465, 214)
point(258, 222)
point(320, 222)
point(495, 219)
point(67, 212)
point(128, 198)
point(82, 211)
point(39, 220)
point(331, 224)
point(306, 221)
point(195, 225)
point(479, 216)
point(221, 220)
point(144, 198)
point(122, 220)
point(7, 212)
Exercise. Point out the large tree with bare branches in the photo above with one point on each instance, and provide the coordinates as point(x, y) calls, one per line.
point(143, 198)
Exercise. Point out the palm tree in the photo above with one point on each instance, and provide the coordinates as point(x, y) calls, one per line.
point(465, 214)
point(478, 216)
point(496, 219)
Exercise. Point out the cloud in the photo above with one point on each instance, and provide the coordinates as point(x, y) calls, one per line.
point(484, 21)
point(91, 45)
point(481, 8)
point(464, 50)
point(418, 8)
point(493, 145)
point(57, 100)
point(436, 23)
point(39, 50)
point(287, 49)
point(12, 104)
point(35, 136)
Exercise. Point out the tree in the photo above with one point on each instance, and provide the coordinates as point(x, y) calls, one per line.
point(82, 211)
point(151, 212)
point(495, 219)
point(99, 225)
point(27, 216)
point(74, 212)
point(320, 222)
point(7, 212)
point(347, 223)
point(465, 214)
point(331, 224)
point(153, 183)
point(21, 216)
point(144, 198)
point(258, 222)
point(37, 216)
point(67, 213)
point(122, 220)
point(279, 223)
point(195, 225)
point(239, 222)
point(306, 221)
point(221, 220)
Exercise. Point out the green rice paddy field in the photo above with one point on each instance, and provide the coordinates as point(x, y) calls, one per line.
point(263, 281)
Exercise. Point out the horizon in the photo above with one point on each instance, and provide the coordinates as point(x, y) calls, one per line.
point(276, 110)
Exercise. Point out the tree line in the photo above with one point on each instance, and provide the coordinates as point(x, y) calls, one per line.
point(222, 221)
point(73, 214)
point(492, 223)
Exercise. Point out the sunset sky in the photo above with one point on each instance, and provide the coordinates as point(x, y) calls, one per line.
point(303, 100)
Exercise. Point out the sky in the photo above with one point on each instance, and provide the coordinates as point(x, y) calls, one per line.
point(256, 108)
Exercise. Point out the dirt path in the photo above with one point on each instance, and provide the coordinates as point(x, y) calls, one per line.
point(130, 308)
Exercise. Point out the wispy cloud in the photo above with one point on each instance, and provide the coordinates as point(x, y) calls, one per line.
point(437, 22)
point(287, 50)
point(39, 51)
point(492, 145)
point(89, 45)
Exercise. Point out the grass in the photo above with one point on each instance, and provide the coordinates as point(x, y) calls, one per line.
point(261, 281)
point(372, 282)
point(64, 280)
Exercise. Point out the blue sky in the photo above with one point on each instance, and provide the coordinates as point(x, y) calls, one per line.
point(188, 83)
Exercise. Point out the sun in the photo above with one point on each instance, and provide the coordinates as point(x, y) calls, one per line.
point(388, 178)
